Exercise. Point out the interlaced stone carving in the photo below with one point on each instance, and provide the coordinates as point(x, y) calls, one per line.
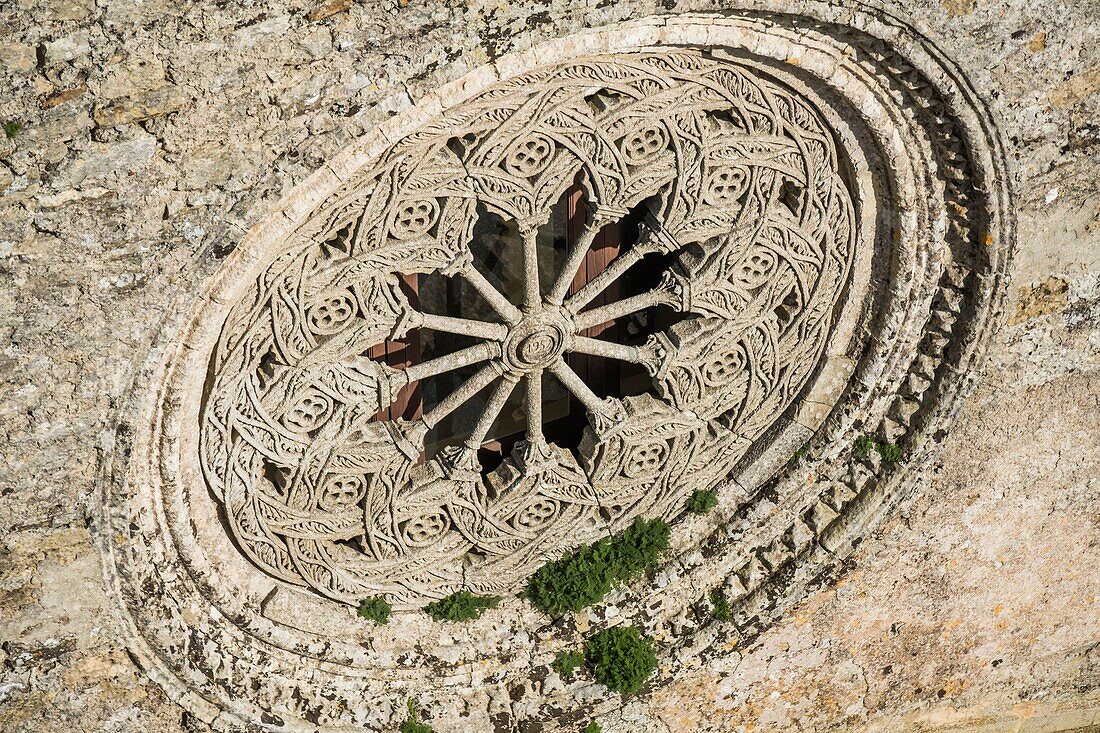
point(736, 175)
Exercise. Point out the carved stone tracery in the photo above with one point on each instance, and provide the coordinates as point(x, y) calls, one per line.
point(736, 175)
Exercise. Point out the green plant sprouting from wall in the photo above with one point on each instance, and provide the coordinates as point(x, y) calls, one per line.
point(620, 658)
point(865, 444)
point(461, 606)
point(720, 607)
point(412, 723)
point(12, 128)
point(584, 576)
point(798, 454)
point(566, 663)
point(375, 608)
point(702, 501)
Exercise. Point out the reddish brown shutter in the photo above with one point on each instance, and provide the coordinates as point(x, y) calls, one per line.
point(602, 375)
point(399, 354)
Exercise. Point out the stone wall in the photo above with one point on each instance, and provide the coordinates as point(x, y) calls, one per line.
point(143, 139)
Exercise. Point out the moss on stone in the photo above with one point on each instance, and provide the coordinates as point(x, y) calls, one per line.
point(798, 454)
point(889, 452)
point(861, 449)
point(639, 548)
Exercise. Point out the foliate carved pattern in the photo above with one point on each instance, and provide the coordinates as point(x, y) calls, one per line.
point(738, 177)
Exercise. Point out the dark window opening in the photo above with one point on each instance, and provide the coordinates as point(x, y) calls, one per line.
point(497, 253)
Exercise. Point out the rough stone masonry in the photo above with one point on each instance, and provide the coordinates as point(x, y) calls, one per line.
point(142, 141)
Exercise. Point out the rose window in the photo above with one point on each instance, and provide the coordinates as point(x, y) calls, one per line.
point(573, 302)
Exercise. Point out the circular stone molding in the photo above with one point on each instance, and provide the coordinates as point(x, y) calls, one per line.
point(827, 197)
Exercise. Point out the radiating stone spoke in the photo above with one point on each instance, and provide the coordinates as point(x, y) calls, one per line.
point(535, 456)
point(605, 415)
point(495, 404)
point(608, 349)
point(531, 295)
point(572, 382)
point(654, 238)
point(533, 405)
point(598, 284)
point(462, 326)
point(459, 462)
point(573, 263)
point(618, 309)
point(462, 395)
point(496, 300)
point(450, 362)
point(656, 354)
